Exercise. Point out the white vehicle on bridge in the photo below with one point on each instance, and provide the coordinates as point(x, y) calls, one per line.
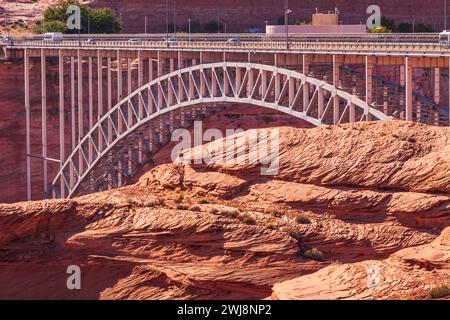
point(53, 36)
point(444, 38)
point(234, 41)
point(134, 40)
point(170, 41)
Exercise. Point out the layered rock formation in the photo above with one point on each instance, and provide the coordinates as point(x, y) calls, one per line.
point(237, 15)
point(346, 199)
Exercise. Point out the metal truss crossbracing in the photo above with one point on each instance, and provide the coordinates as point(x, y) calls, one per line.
point(126, 125)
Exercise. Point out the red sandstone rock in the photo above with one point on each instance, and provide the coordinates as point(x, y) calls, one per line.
point(131, 245)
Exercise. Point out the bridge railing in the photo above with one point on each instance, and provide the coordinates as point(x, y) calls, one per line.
point(272, 45)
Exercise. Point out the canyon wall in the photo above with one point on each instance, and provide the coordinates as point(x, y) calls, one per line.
point(240, 15)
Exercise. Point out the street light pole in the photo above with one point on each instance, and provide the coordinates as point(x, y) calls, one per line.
point(167, 19)
point(145, 24)
point(286, 22)
point(174, 17)
point(445, 14)
point(218, 23)
point(189, 27)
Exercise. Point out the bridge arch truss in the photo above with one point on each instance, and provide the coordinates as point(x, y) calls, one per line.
point(117, 146)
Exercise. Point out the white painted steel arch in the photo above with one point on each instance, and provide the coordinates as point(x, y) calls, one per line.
point(287, 91)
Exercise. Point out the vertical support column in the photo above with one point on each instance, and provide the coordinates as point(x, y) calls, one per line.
point(159, 74)
point(238, 81)
point(44, 119)
point(352, 113)
point(109, 80)
point(251, 82)
point(306, 64)
point(119, 117)
point(72, 103)
point(437, 92)
point(277, 86)
point(80, 110)
point(110, 97)
point(409, 84)
point(27, 122)
point(402, 95)
point(180, 83)
point(191, 83)
point(336, 76)
point(369, 83)
point(100, 96)
point(291, 91)
point(62, 155)
point(141, 106)
point(80, 98)
point(72, 117)
point(263, 84)
point(129, 109)
point(320, 103)
point(91, 108)
point(169, 89)
point(150, 79)
point(385, 101)
point(129, 88)
point(119, 90)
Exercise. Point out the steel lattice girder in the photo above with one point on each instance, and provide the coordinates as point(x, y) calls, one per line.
point(228, 82)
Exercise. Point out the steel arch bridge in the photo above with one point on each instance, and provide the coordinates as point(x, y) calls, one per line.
point(121, 141)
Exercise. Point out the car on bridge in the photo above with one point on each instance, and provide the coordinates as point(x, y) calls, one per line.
point(53, 36)
point(134, 41)
point(234, 41)
point(444, 38)
point(170, 41)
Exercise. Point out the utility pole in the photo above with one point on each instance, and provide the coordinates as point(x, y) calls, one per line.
point(167, 19)
point(286, 22)
point(189, 27)
point(218, 23)
point(145, 24)
point(174, 17)
point(445, 14)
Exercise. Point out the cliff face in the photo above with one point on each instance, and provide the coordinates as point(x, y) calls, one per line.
point(241, 15)
point(238, 15)
point(219, 232)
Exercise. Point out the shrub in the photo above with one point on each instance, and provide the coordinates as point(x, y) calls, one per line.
point(179, 198)
point(214, 211)
point(439, 292)
point(181, 206)
point(313, 254)
point(247, 219)
point(195, 208)
point(203, 201)
point(276, 213)
point(231, 213)
point(161, 201)
point(271, 225)
point(301, 219)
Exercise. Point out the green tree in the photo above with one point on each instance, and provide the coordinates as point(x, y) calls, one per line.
point(388, 23)
point(212, 27)
point(50, 26)
point(422, 27)
point(404, 27)
point(93, 20)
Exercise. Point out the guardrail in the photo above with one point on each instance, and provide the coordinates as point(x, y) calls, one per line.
point(271, 45)
point(369, 37)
